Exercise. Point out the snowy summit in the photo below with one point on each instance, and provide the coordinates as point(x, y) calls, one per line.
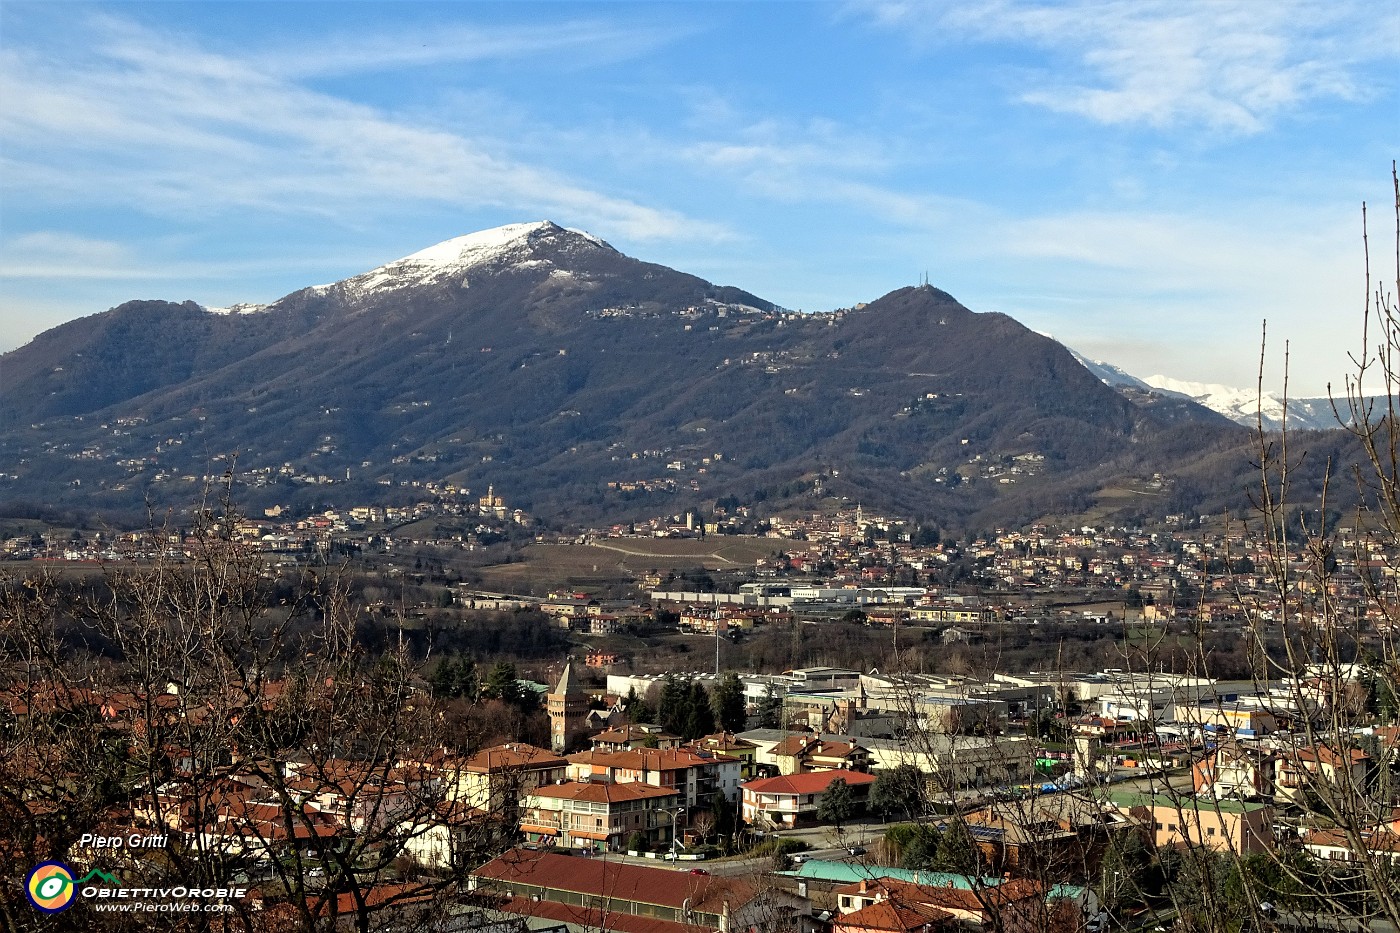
point(512, 244)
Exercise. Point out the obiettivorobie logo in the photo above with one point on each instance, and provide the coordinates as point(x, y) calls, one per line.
point(51, 888)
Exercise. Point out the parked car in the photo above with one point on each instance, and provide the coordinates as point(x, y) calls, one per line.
point(856, 850)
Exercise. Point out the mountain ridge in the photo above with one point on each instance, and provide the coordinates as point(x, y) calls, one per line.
point(1248, 407)
point(545, 362)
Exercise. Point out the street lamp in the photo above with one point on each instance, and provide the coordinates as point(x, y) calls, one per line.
point(675, 835)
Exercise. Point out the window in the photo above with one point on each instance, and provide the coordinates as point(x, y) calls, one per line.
point(1210, 830)
point(811, 798)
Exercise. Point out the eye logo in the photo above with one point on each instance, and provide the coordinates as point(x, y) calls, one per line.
point(50, 887)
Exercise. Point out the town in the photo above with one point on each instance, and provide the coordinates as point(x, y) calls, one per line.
point(969, 794)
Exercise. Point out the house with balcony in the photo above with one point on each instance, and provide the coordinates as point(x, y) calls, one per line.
point(803, 752)
point(1014, 905)
point(1333, 845)
point(497, 777)
point(696, 775)
point(791, 800)
point(599, 816)
point(634, 735)
point(1235, 770)
point(1320, 767)
point(732, 746)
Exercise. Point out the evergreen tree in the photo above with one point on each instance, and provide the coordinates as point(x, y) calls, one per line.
point(501, 683)
point(454, 676)
point(838, 803)
point(1125, 869)
point(731, 710)
point(957, 851)
point(770, 710)
point(726, 818)
point(440, 684)
point(464, 679)
point(671, 707)
point(699, 718)
point(921, 848)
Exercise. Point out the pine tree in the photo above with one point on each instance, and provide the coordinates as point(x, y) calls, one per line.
point(957, 851)
point(699, 718)
point(501, 683)
point(442, 680)
point(671, 708)
point(731, 710)
point(770, 710)
point(464, 679)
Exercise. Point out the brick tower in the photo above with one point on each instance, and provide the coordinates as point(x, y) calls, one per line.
point(568, 709)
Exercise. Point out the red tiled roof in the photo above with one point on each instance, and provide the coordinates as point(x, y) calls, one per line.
point(814, 782)
point(375, 896)
point(598, 877)
point(1382, 841)
point(513, 755)
point(650, 759)
point(885, 916)
point(603, 792)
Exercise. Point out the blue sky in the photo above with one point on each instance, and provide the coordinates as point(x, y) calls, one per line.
point(1145, 181)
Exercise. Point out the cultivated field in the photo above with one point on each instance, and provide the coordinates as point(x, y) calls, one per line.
point(615, 559)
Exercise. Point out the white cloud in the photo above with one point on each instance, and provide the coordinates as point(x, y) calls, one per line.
point(1229, 65)
point(159, 124)
point(38, 254)
point(566, 44)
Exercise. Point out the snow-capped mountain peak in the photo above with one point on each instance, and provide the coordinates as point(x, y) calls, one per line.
point(523, 245)
point(1107, 373)
point(491, 245)
point(242, 307)
point(1245, 406)
point(1242, 406)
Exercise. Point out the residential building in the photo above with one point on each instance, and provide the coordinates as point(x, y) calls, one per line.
point(800, 753)
point(1236, 826)
point(589, 815)
point(695, 775)
point(497, 777)
point(793, 799)
point(1320, 766)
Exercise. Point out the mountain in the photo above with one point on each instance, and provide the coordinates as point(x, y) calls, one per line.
point(1250, 408)
point(583, 383)
point(1247, 407)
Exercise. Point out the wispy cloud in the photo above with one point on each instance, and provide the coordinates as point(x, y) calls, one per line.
point(52, 254)
point(158, 123)
point(564, 45)
point(44, 253)
point(1230, 65)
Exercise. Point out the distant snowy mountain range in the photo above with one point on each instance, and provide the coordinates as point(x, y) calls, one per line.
point(1243, 406)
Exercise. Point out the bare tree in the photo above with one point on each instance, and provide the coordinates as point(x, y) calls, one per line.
point(193, 695)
